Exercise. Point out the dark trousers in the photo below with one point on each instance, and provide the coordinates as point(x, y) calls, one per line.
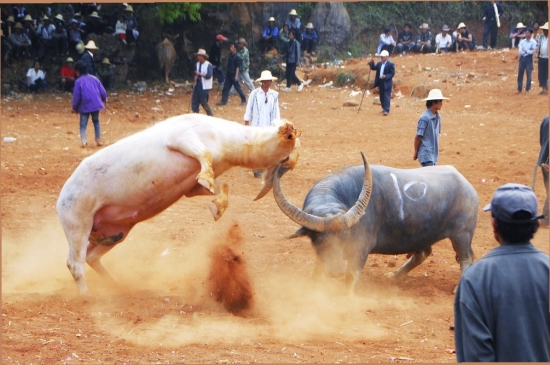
point(543, 73)
point(387, 47)
point(308, 45)
point(426, 49)
point(545, 208)
point(268, 44)
point(291, 75)
point(385, 94)
point(200, 97)
point(218, 74)
point(108, 81)
point(490, 29)
point(227, 86)
point(525, 65)
point(61, 45)
point(39, 85)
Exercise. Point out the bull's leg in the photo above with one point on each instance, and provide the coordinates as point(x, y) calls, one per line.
point(219, 204)
point(462, 244)
point(93, 257)
point(355, 266)
point(189, 144)
point(77, 236)
point(417, 258)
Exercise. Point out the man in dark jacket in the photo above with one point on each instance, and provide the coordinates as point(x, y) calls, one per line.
point(234, 65)
point(491, 14)
point(216, 59)
point(405, 40)
point(501, 303)
point(88, 57)
point(384, 79)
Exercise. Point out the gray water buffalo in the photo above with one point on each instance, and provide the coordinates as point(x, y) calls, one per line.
point(377, 209)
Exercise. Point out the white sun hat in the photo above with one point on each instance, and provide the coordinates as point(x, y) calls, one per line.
point(435, 94)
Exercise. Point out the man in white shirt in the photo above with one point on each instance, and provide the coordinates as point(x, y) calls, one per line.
point(526, 50)
point(203, 83)
point(36, 78)
point(443, 41)
point(543, 59)
point(45, 33)
point(263, 106)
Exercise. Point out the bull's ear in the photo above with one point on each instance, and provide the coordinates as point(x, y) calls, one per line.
point(301, 232)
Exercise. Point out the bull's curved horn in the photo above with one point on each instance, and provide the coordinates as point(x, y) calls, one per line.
point(321, 224)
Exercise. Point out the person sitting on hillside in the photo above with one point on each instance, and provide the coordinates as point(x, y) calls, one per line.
point(424, 40)
point(517, 35)
point(283, 39)
point(36, 79)
point(68, 75)
point(269, 36)
point(309, 39)
point(21, 44)
point(131, 25)
point(45, 36)
point(443, 41)
point(405, 40)
point(386, 42)
point(294, 24)
point(464, 39)
point(120, 29)
point(95, 25)
point(106, 74)
point(75, 34)
point(60, 37)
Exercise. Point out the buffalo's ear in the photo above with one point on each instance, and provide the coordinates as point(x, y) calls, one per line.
point(301, 232)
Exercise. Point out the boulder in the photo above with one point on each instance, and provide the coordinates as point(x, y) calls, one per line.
point(332, 23)
point(420, 91)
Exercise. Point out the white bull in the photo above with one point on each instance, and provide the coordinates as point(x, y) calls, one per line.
point(143, 174)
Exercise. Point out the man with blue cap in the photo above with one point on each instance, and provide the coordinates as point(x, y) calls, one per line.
point(501, 304)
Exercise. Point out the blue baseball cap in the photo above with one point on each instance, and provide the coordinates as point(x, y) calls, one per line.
point(512, 198)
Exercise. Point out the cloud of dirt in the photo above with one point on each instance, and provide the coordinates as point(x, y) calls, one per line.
point(35, 260)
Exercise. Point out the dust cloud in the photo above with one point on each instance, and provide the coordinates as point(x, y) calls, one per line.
point(168, 285)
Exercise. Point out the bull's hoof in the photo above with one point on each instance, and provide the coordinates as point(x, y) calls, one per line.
point(207, 181)
point(214, 209)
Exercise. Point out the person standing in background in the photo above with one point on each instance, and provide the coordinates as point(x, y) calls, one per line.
point(204, 72)
point(492, 11)
point(542, 46)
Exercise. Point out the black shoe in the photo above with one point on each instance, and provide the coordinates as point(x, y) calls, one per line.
point(243, 102)
point(220, 103)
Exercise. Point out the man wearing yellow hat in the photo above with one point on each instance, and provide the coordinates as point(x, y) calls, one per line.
point(88, 57)
point(68, 75)
point(426, 141)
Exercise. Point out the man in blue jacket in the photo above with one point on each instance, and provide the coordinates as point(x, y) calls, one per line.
point(384, 79)
point(501, 304)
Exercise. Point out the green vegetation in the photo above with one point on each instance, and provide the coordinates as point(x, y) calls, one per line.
point(343, 78)
point(167, 13)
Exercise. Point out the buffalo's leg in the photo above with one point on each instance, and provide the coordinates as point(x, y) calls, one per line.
point(416, 259)
point(462, 244)
point(355, 266)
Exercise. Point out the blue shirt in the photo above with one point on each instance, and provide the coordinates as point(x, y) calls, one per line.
point(501, 307)
point(429, 127)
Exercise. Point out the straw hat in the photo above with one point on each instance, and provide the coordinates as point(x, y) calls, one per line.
point(129, 8)
point(59, 17)
point(243, 41)
point(11, 19)
point(309, 26)
point(545, 26)
point(384, 53)
point(69, 59)
point(45, 18)
point(266, 76)
point(271, 19)
point(94, 14)
point(80, 47)
point(424, 26)
point(125, 4)
point(77, 14)
point(90, 45)
point(461, 25)
point(201, 52)
point(28, 17)
point(445, 28)
point(18, 26)
point(293, 12)
point(435, 94)
point(520, 25)
point(105, 61)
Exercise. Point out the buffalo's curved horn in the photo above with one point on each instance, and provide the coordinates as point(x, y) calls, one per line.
point(321, 224)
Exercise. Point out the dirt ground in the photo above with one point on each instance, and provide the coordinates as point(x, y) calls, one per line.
point(163, 313)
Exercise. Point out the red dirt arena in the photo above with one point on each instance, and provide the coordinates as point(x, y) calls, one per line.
point(169, 307)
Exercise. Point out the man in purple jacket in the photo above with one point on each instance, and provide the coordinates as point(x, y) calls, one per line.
point(89, 97)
